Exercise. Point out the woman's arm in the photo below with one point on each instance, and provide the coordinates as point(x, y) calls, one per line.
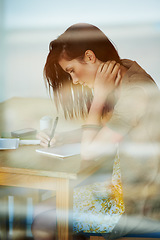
point(130, 113)
point(97, 139)
point(107, 79)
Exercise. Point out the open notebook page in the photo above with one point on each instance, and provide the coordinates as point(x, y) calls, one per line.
point(63, 151)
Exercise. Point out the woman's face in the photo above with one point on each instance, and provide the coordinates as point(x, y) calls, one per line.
point(81, 72)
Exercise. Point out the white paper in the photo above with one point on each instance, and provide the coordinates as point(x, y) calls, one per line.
point(29, 142)
point(63, 151)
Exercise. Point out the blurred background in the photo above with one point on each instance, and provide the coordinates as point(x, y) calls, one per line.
point(27, 27)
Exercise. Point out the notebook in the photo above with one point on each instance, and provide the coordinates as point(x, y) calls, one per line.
point(63, 151)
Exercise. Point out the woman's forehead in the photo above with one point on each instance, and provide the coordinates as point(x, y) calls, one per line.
point(67, 63)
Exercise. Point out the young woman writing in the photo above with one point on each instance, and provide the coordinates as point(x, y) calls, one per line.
point(90, 80)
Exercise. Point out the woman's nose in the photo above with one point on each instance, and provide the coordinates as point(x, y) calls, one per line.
point(75, 80)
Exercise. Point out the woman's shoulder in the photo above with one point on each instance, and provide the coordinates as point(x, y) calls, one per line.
point(137, 77)
point(134, 69)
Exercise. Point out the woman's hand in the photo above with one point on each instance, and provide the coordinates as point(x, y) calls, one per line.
point(108, 77)
point(59, 138)
point(44, 139)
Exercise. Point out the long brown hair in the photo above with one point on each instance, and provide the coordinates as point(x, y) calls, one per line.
point(75, 100)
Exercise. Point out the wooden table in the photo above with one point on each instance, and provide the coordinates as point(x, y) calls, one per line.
point(24, 167)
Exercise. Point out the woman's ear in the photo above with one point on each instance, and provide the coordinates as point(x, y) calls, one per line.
point(89, 56)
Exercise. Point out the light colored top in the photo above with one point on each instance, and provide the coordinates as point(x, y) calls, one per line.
point(137, 89)
point(136, 117)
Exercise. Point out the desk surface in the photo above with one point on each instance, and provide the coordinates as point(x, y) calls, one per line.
point(25, 160)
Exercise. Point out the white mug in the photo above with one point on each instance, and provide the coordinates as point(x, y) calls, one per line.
point(46, 122)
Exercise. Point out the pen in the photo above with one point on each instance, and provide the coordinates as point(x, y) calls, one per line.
point(53, 130)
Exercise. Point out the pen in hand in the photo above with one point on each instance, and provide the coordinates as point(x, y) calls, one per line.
point(53, 130)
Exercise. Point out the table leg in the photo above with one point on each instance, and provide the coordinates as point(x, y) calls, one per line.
point(64, 203)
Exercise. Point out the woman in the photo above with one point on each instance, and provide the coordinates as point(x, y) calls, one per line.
point(112, 95)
